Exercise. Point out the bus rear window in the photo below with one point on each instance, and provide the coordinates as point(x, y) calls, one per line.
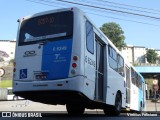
point(46, 27)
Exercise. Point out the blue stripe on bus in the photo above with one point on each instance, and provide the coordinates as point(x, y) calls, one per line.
point(56, 58)
point(140, 95)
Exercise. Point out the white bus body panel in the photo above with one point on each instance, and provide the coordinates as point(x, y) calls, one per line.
point(134, 98)
point(114, 84)
point(31, 63)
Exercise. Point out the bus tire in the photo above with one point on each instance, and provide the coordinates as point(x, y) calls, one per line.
point(140, 109)
point(75, 109)
point(114, 110)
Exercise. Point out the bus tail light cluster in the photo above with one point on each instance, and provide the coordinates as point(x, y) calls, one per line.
point(74, 64)
point(14, 67)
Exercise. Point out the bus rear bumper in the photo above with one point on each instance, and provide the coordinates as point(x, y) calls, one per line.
point(74, 83)
point(52, 91)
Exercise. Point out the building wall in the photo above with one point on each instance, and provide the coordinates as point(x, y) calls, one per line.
point(128, 54)
point(139, 54)
point(136, 54)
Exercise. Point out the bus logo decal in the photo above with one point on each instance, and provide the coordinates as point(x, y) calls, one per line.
point(23, 74)
point(29, 53)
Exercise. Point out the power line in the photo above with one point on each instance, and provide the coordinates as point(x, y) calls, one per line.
point(125, 20)
point(104, 4)
point(130, 5)
point(91, 6)
point(97, 14)
point(119, 11)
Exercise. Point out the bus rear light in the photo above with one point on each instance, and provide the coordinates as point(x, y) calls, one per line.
point(14, 65)
point(75, 58)
point(74, 65)
point(73, 72)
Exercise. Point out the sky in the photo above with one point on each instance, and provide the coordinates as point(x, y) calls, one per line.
point(138, 31)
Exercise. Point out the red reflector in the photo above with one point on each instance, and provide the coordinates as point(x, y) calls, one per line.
point(75, 58)
point(74, 65)
point(14, 70)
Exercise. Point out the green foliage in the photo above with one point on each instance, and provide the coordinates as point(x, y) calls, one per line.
point(115, 33)
point(151, 56)
point(135, 64)
point(5, 83)
point(11, 61)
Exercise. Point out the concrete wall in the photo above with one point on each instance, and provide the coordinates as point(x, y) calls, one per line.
point(3, 94)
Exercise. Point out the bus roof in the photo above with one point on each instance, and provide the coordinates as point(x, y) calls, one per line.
point(49, 12)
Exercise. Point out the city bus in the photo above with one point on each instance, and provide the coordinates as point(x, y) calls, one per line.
point(63, 58)
point(138, 97)
point(135, 90)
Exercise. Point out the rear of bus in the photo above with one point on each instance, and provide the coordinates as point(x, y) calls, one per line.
point(47, 64)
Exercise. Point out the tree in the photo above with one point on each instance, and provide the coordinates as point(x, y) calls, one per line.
point(1, 59)
point(151, 56)
point(115, 33)
point(11, 61)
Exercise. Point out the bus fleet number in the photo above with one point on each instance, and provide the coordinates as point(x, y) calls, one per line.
point(90, 61)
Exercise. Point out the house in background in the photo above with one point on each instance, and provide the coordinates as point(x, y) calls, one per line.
point(136, 55)
point(7, 49)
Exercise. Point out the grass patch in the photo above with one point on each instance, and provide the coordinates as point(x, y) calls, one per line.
point(5, 83)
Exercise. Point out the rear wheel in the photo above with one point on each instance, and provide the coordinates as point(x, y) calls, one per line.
point(140, 108)
point(75, 109)
point(114, 110)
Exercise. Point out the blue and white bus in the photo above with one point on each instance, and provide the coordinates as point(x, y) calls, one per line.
point(138, 98)
point(135, 90)
point(63, 58)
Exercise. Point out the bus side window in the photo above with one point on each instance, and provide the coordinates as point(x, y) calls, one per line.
point(133, 75)
point(112, 58)
point(121, 66)
point(140, 82)
point(89, 37)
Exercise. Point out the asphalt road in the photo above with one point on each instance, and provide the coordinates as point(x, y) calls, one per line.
point(26, 108)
